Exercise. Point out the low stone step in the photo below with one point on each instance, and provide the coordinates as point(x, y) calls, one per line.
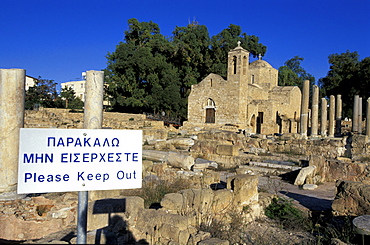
point(273, 165)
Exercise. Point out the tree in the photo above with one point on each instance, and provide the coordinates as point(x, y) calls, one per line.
point(139, 71)
point(151, 73)
point(226, 40)
point(347, 76)
point(43, 93)
point(293, 74)
point(69, 99)
point(192, 54)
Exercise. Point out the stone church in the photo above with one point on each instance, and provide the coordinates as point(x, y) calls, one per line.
point(250, 98)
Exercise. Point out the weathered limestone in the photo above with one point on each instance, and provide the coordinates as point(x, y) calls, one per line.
point(338, 115)
point(315, 110)
point(304, 108)
point(93, 107)
point(250, 99)
point(324, 117)
point(352, 198)
point(245, 188)
point(93, 119)
point(362, 224)
point(309, 187)
point(332, 116)
point(368, 117)
point(174, 159)
point(12, 93)
point(303, 174)
point(355, 114)
point(360, 115)
point(228, 150)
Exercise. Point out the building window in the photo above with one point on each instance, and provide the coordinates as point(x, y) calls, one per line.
point(82, 85)
point(210, 103)
point(234, 64)
point(252, 79)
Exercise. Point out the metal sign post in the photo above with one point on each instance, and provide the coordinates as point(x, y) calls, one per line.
point(93, 119)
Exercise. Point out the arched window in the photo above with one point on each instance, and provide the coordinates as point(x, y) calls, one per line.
point(210, 103)
point(234, 63)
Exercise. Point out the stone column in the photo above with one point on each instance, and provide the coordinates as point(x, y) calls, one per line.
point(304, 108)
point(338, 115)
point(12, 94)
point(355, 114)
point(359, 115)
point(368, 117)
point(315, 110)
point(93, 107)
point(324, 116)
point(331, 116)
point(93, 119)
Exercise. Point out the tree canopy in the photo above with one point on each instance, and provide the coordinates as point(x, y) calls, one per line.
point(43, 93)
point(293, 74)
point(348, 76)
point(149, 72)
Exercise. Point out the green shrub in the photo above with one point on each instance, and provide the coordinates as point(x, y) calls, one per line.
point(284, 211)
point(153, 191)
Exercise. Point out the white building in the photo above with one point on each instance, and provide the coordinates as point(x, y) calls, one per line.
point(77, 86)
point(30, 82)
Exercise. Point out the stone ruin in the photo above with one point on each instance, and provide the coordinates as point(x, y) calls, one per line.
point(194, 153)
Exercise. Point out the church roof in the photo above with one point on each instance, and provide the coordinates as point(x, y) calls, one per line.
point(260, 63)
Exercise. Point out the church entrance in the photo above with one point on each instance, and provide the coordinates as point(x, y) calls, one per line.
point(210, 115)
point(259, 122)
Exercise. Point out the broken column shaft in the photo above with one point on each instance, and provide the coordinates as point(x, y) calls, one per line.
point(315, 110)
point(304, 108)
point(12, 83)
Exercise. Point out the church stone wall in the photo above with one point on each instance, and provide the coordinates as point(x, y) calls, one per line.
point(213, 87)
point(249, 98)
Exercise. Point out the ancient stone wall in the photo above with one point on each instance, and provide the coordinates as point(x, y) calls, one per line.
point(65, 118)
point(176, 222)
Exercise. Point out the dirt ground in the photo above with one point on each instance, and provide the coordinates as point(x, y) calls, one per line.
point(319, 199)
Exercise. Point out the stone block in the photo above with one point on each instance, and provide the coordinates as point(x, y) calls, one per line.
point(222, 200)
point(214, 241)
point(303, 174)
point(16, 229)
point(245, 188)
point(169, 231)
point(200, 236)
point(352, 199)
point(197, 199)
point(96, 195)
point(229, 150)
point(179, 160)
point(172, 203)
point(310, 187)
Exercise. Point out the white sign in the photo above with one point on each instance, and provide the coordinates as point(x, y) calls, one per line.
point(59, 160)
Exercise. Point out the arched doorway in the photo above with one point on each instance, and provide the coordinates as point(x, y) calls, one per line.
point(210, 111)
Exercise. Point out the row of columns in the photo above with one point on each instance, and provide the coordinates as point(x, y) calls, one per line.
point(333, 126)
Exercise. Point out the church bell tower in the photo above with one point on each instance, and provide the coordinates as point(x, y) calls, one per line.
point(237, 65)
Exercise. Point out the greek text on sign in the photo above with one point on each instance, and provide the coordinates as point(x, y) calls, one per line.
point(58, 160)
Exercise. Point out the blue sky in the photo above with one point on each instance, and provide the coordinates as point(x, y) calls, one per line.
point(58, 39)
